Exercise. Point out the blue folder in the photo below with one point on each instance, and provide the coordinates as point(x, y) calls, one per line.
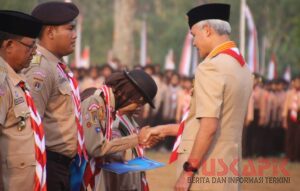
point(134, 165)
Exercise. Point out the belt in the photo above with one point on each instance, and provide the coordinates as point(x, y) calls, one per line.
point(59, 158)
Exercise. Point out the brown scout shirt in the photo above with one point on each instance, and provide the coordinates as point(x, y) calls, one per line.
point(94, 120)
point(288, 102)
point(222, 90)
point(16, 135)
point(51, 92)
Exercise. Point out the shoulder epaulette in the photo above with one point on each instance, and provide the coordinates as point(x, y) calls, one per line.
point(36, 59)
point(3, 73)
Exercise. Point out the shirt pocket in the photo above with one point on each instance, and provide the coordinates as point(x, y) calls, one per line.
point(22, 110)
point(17, 165)
point(22, 124)
point(64, 88)
point(185, 146)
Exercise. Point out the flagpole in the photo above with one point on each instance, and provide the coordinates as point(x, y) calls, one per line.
point(263, 56)
point(242, 27)
point(143, 44)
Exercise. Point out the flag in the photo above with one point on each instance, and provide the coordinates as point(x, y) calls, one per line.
point(143, 45)
point(287, 74)
point(169, 61)
point(189, 57)
point(252, 57)
point(272, 69)
point(85, 58)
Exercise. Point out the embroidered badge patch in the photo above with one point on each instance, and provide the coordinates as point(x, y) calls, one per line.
point(101, 113)
point(93, 107)
point(39, 74)
point(2, 91)
point(37, 85)
point(98, 130)
point(88, 124)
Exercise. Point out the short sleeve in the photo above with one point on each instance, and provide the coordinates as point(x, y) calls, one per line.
point(208, 88)
point(92, 109)
point(41, 82)
point(5, 101)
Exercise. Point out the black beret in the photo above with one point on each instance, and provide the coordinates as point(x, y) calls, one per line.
point(55, 13)
point(208, 11)
point(19, 23)
point(144, 83)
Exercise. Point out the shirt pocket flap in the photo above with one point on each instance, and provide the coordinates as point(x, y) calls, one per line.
point(22, 110)
point(65, 88)
point(21, 161)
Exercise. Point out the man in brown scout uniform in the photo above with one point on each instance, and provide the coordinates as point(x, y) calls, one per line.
point(291, 120)
point(222, 88)
point(17, 47)
point(52, 91)
point(250, 132)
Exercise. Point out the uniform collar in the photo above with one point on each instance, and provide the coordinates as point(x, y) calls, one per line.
point(15, 77)
point(51, 57)
point(220, 48)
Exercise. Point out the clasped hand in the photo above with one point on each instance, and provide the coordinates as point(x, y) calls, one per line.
point(148, 137)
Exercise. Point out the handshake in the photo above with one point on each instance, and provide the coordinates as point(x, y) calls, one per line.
point(150, 136)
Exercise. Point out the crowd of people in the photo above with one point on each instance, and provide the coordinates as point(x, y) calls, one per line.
point(272, 123)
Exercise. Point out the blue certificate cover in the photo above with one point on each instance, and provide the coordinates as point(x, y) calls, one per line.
point(134, 165)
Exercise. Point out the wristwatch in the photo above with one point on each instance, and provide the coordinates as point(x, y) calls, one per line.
point(187, 167)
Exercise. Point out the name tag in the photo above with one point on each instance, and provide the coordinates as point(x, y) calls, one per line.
point(19, 100)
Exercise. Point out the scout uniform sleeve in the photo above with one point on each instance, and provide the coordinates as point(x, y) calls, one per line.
point(93, 114)
point(209, 87)
point(119, 144)
point(4, 103)
point(40, 79)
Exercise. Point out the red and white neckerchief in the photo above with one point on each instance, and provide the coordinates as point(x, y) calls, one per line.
point(228, 48)
point(39, 140)
point(76, 99)
point(109, 112)
point(294, 109)
point(92, 169)
point(139, 149)
point(174, 154)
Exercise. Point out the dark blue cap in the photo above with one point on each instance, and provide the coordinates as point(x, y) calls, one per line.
point(55, 13)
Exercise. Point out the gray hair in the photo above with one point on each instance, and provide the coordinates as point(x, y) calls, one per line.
point(220, 26)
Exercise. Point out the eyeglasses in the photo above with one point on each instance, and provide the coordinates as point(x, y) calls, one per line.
point(30, 46)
